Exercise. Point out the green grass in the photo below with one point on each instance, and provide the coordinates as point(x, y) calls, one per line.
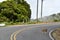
point(19, 23)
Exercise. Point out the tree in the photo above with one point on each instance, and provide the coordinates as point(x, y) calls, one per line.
point(15, 11)
point(53, 15)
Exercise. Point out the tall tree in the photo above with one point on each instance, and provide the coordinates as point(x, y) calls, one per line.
point(15, 11)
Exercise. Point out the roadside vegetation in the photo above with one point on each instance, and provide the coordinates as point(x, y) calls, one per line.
point(56, 34)
point(14, 11)
point(52, 18)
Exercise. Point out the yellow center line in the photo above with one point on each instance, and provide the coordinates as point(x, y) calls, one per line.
point(19, 31)
point(11, 38)
point(13, 35)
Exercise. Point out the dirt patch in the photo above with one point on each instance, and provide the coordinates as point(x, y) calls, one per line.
point(44, 29)
point(56, 34)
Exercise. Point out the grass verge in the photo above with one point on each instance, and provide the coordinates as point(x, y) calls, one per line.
point(56, 34)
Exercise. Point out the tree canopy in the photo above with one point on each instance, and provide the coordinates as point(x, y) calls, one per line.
point(15, 10)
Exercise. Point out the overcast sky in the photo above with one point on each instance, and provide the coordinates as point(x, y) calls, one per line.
point(49, 7)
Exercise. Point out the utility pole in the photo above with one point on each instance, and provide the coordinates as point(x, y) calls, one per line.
point(41, 8)
point(37, 10)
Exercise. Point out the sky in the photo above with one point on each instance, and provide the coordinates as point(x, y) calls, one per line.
point(49, 7)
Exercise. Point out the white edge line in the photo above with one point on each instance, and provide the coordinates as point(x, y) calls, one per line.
point(50, 35)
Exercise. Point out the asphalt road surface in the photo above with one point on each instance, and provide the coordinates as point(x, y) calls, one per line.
point(31, 32)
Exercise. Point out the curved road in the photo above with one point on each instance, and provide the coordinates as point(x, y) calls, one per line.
point(31, 32)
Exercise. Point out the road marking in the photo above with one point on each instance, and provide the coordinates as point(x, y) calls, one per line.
point(50, 35)
point(19, 31)
point(13, 35)
point(11, 38)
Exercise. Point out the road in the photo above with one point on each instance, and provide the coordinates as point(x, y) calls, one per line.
point(29, 32)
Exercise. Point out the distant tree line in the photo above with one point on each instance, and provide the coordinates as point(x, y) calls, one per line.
point(52, 18)
point(15, 11)
point(56, 17)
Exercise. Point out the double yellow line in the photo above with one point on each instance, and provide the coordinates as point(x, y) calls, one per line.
point(13, 35)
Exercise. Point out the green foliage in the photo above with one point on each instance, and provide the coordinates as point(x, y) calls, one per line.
point(55, 20)
point(53, 15)
point(15, 11)
point(56, 17)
